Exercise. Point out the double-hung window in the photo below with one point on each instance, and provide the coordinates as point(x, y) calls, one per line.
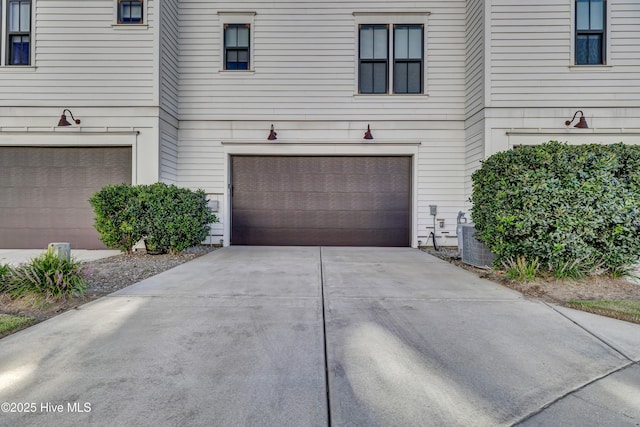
point(404, 43)
point(130, 12)
point(236, 46)
point(374, 58)
point(590, 32)
point(407, 59)
point(18, 34)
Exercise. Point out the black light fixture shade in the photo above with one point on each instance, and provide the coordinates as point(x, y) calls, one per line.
point(272, 135)
point(582, 122)
point(63, 119)
point(368, 134)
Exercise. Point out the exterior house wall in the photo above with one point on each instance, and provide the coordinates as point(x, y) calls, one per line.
point(497, 73)
point(475, 77)
point(304, 82)
point(168, 87)
point(106, 74)
point(534, 86)
point(82, 59)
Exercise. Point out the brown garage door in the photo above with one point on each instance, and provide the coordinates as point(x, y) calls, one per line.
point(331, 201)
point(44, 193)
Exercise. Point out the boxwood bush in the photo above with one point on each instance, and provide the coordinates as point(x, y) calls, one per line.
point(573, 208)
point(117, 212)
point(170, 218)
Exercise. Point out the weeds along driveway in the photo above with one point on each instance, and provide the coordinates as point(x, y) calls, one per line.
point(253, 336)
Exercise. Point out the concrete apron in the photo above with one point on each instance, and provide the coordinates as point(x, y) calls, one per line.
point(237, 337)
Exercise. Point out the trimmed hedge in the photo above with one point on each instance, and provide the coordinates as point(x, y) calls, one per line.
point(170, 218)
point(117, 210)
point(568, 206)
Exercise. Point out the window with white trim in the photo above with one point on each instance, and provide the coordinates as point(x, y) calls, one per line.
point(374, 58)
point(18, 32)
point(590, 30)
point(391, 54)
point(236, 42)
point(237, 46)
point(408, 54)
point(130, 12)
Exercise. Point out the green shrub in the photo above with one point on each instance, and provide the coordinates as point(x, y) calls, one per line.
point(117, 210)
point(47, 276)
point(174, 218)
point(574, 208)
point(170, 218)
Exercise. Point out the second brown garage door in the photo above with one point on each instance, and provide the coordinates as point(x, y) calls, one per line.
point(45, 191)
point(324, 201)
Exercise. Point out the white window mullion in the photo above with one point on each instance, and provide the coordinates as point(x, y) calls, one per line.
point(392, 43)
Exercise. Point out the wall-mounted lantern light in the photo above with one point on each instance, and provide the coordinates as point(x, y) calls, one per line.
point(272, 135)
point(63, 119)
point(368, 134)
point(582, 122)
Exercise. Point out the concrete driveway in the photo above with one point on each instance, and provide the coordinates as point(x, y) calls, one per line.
point(317, 336)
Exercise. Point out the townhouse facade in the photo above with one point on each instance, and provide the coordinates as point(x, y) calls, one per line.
point(306, 123)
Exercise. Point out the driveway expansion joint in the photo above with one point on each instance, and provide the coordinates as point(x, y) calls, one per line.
point(571, 392)
point(593, 334)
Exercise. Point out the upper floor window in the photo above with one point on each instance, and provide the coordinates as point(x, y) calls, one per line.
point(18, 34)
point(407, 59)
point(130, 12)
point(374, 62)
point(236, 46)
point(590, 32)
point(405, 44)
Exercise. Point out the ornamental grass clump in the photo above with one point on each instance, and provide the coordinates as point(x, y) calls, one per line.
point(521, 269)
point(47, 277)
point(5, 270)
point(576, 209)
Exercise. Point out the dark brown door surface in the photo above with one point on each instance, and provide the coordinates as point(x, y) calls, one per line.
point(328, 201)
point(44, 193)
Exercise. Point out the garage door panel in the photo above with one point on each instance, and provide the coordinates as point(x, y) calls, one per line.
point(44, 194)
point(321, 200)
point(326, 237)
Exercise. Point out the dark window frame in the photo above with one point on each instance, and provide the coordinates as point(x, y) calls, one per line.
point(128, 20)
point(581, 34)
point(402, 61)
point(362, 62)
point(24, 57)
point(229, 51)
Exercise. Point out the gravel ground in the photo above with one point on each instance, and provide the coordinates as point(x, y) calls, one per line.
point(108, 275)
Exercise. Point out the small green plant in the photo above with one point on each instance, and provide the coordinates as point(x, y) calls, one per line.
point(624, 271)
point(521, 269)
point(47, 276)
point(576, 269)
point(5, 270)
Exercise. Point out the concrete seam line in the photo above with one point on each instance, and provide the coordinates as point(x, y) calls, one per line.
point(602, 340)
point(570, 392)
point(324, 338)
